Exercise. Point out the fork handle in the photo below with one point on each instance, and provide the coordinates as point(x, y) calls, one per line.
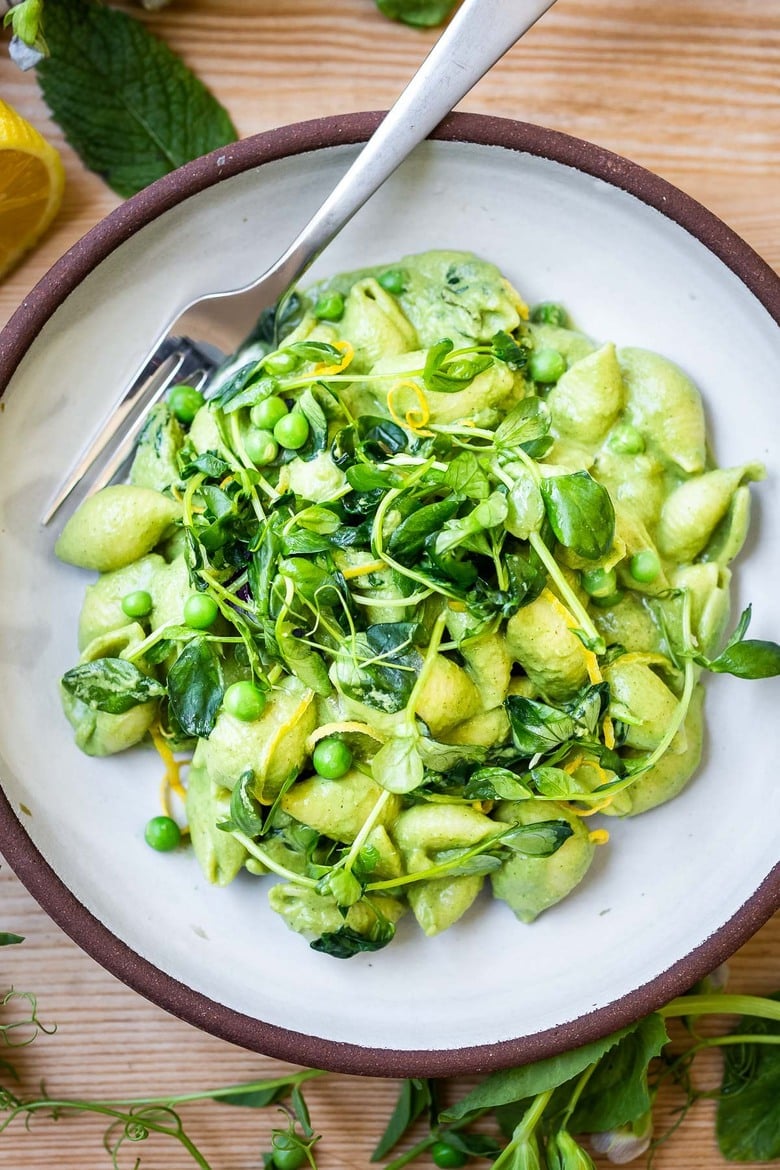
point(478, 36)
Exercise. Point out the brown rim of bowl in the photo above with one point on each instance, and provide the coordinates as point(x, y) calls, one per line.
point(36, 874)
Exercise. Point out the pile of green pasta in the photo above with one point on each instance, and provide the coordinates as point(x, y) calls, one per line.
point(425, 582)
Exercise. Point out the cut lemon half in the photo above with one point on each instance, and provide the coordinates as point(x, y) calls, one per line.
point(31, 183)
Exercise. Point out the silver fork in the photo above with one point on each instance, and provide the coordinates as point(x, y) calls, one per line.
point(478, 36)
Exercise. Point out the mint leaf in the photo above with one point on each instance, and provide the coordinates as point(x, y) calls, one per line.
point(422, 13)
point(129, 107)
point(748, 1120)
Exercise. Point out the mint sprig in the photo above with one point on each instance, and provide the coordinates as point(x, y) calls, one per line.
point(128, 105)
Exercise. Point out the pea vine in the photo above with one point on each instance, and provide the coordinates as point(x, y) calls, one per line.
point(542, 1115)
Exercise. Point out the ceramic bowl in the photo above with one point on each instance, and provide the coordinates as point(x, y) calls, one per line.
point(676, 891)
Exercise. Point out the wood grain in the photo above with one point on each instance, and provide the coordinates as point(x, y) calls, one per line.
point(688, 88)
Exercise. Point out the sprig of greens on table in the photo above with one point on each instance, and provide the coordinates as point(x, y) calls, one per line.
point(604, 1091)
point(128, 105)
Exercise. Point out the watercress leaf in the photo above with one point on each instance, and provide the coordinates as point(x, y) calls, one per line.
point(314, 583)
point(443, 757)
point(516, 1084)
point(408, 538)
point(556, 783)
point(379, 437)
point(256, 388)
point(752, 658)
point(345, 942)
point(466, 476)
point(580, 512)
point(113, 685)
point(128, 105)
point(525, 507)
point(496, 784)
point(315, 351)
point(507, 349)
point(537, 727)
point(318, 424)
point(303, 661)
point(299, 542)
point(525, 423)
point(8, 940)
point(195, 688)
point(748, 1120)
point(419, 13)
point(397, 765)
point(617, 1092)
point(246, 813)
point(208, 463)
point(218, 502)
point(414, 1098)
point(539, 839)
point(365, 477)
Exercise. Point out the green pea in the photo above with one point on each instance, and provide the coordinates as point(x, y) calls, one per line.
point(546, 365)
point(185, 402)
point(608, 601)
point(330, 307)
point(162, 834)
point(292, 431)
point(331, 758)
point(282, 362)
point(599, 582)
point(260, 446)
point(244, 700)
point(200, 611)
point(445, 1155)
point(645, 566)
point(266, 414)
point(549, 313)
point(626, 440)
point(137, 604)
point(393, 281)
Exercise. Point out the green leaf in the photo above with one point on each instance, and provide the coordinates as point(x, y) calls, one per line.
point(466, 476)
point(8, 940)
point(752, 658)
point(537, 727)
point(255, 1098)
point(496, 784)
point(195, 688)
point(409, 537)
point(420, 13)
point(748, 1118)
point(580, 512)
point(345, 942)
point(526, 423)
point(617, 1092)
point(397, 765)
point(515, 1084)
point(128, 105)
point(246, 813)
point(113, 685)
point(444, 374)
point(315, 351)
point(538, 839)
point(506, 349)
point(413, 1099)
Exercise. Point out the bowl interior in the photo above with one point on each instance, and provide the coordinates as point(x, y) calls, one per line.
point(667, 883)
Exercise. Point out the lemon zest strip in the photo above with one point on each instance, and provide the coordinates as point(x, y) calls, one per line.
point(414, 419)
point(344, 347)
point(361, 570)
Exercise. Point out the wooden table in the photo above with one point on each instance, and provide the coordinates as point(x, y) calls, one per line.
point(690, 89)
